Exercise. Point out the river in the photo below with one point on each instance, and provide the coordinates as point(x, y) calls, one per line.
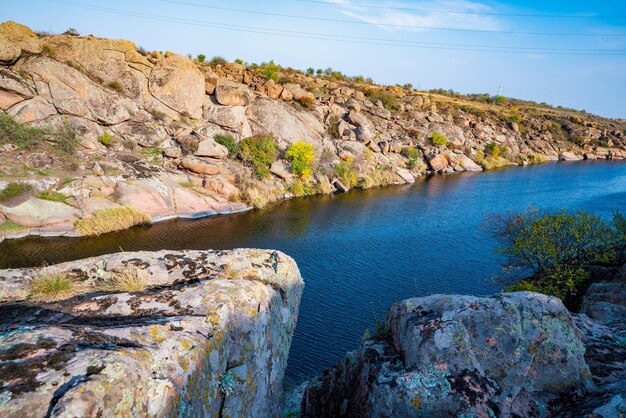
point(363, 250)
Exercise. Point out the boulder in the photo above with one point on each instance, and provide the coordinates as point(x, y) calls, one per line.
point(200, 167)
point(209, 148)
point(110, 61)
point(43, 214)
point(231, 95)
point(15, 39)
point(73, 93)
point(273, 90)
point(211, 337)
point(179, 85)
point(513, 354)
point(405, 175)
point(285, 122)
point(453, 133)
point(221, 187)
point(569, 156)
point(298, 93)
point(141, 133)
point(278, 168)
point(365, 131)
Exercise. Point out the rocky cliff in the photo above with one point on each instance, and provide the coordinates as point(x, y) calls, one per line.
point(148, 334)
point(109, 125)
point(510, 355)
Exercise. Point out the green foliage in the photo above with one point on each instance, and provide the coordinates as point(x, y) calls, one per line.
point(550, 251)
point(388, 99)
point(310, 71)
point(22, 136)
point(117, 86)
point(260, 151)
point(382, 331)
point(493, 149)
point(106, 139)
point(53, 196)
point(515, 118)
point(301, 155)
point(344, 171)
point(239, 61)
point(71, 32)
point(201, 58)
point(67, 139)
point(438, 139)
point(217, 60)
point(227, 383)
point(413, 155)
point(13, 190)
point(229, 142)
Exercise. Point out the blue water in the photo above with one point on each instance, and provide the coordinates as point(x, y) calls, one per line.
point(364, 250)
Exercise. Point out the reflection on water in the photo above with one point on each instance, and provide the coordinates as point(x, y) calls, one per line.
point(361, 251)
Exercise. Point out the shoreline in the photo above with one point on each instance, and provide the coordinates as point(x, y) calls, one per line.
point(34, 233)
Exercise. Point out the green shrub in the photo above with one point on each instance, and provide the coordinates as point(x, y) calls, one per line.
point(515, 118)
point(67, 139)
point(10, 226)
point(493, 149)
point(112, 219)
point(550, 251)
point(388, 99)
point(260, 151)
point(239, 61)
point(129, 280)
point(13, 190)
point(229, 142)
point(106, 139)
point(345, 172)
point(217, 60)
point(22, 136)
point(438, 139)
point(201, 58)
point(301, 155)
point(117, 86)
point(413, 155)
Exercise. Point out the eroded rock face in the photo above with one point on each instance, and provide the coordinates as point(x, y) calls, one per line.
point(178, 84)
point(209, 337)
point(516, 354)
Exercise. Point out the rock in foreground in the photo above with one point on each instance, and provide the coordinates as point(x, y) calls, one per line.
point(209, 336)
point(508, 355)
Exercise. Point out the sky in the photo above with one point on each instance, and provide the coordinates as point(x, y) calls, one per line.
point(571, 54)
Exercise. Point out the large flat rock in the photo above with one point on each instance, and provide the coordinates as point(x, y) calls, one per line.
point(209, 337)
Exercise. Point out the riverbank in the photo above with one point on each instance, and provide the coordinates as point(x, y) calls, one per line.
point(93, 128)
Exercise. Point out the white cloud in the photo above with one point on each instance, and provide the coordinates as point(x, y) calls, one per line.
point(430, 15)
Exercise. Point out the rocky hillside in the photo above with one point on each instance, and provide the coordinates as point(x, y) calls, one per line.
point(148, 334)
point(100, 131)
point(509, 355)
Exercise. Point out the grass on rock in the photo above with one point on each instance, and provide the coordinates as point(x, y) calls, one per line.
point(51, 285)
point(10, 226)
point(109, 220)
point(131, 280)
point(13, 190)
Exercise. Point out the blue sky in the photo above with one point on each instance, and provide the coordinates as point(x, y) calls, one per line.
point(420, 42)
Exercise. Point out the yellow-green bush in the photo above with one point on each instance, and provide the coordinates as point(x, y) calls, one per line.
point(438, 139)
point(109, 220)
point(51, 285)
point(301, 155)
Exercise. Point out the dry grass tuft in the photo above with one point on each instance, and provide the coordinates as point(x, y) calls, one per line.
point(131, 280)
point(51, 285)
point(109, 220)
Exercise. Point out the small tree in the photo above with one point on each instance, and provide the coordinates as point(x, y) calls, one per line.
point(301, 155)
point(310, 71)
point(493, 149)
point(239, 61)
point(201, 58)
point(71, 32)
point(549, 252)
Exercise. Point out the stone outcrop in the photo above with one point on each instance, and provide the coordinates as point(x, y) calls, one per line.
point(209, 336)
point(516, 354)
point(139, 114)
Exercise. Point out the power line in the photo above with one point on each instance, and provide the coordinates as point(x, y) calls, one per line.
point(357, 22)
point(347, 38)
point(413, 9)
